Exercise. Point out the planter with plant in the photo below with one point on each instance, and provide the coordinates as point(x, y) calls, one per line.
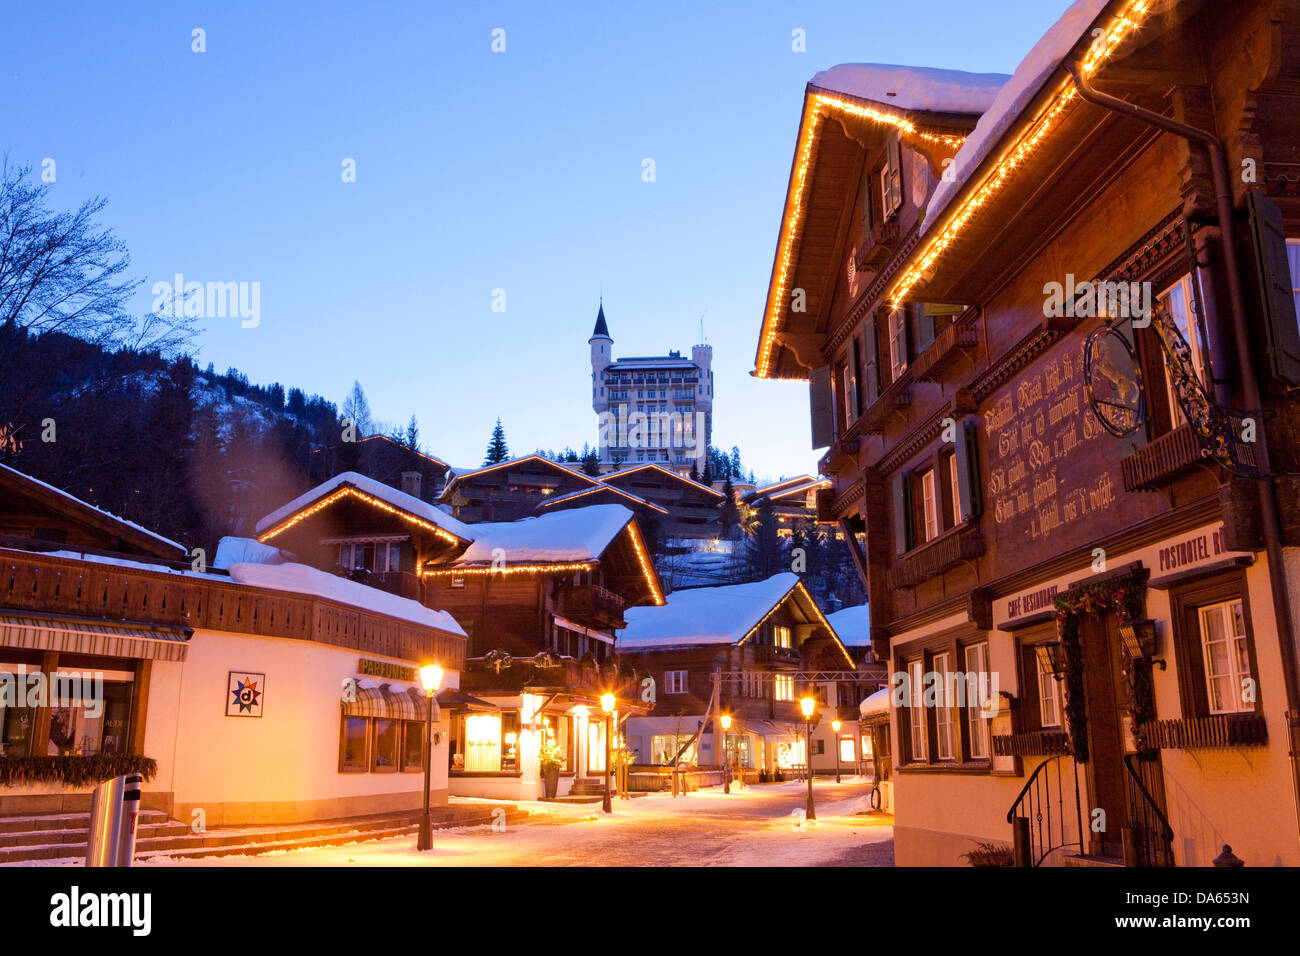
point(991, 854)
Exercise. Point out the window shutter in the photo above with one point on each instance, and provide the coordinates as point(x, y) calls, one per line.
point(902, 512)
point(866, 204)
point(1268, 233)
point(870, 371)
point(820, 401)
point(855, 405)
point(967, 463)
point(895, 176)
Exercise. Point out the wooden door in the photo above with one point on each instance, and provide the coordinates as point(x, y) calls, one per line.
point(1106, 697)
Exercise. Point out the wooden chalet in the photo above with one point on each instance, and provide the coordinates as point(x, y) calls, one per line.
point(120, 653)
point(693, 508)
point(1052, 494)
point(793, 503)
point(511, 489)
point(541, 598)
point(764, 636)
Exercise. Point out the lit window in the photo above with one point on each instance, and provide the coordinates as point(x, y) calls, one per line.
point(781, 636)
point(916, 709)
point(1049, 696)
point(929, 505)
point(783, 687)
point(1226, 657)
point(483, 742)
point(848, 753)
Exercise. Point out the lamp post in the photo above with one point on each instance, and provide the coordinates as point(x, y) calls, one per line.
point(726, 768)
point(808, 706)
point(430, 678)
point(607, 705)
point(835, 726)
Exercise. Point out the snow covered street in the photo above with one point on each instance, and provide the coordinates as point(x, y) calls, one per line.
point(760, 826)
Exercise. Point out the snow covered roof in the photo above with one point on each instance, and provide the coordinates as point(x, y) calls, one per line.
point(913, 87)
point(567, 536)
point(1030, 76)
point(625, 471)
point(719, 615)
point(877, 703)
point(852, 625)
point(459, 474)
point(652, 361)
point(21, 478)
point(597, 489)
point(305, 580)
point(232, 550)
point(377, 489)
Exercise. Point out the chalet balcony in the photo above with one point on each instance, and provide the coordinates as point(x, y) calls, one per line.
point(771, 654)
point(511, 676)
point(1161, 460)
point(884, 239)
point(593, 606)
point(402, 583)
point(949, 346)
point(935, 557)
point(841, 456)
point(896, 398)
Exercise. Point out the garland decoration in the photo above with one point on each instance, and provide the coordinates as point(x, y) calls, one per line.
point(1125, 596)
point(77, 770)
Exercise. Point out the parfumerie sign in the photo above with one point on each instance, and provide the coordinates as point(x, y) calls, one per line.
point(385, 669)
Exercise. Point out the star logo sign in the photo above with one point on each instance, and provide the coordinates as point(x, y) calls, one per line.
point(246, 694)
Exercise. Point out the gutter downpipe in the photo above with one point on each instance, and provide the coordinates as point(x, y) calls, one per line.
point(1250, 392)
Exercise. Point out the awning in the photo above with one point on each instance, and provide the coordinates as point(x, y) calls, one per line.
point(390, 703)
point(770, 730)
point(455, 699)
point(93, 636)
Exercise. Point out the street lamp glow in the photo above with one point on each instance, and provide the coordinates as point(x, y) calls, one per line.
point(726, 721)
point(835, 726)
point(431, 677)
point(607, 702)
point(807, 705)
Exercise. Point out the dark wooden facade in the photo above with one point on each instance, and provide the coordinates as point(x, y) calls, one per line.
point(511, 490)
point(694, 510)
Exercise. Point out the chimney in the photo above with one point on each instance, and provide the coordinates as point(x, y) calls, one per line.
point(411, 481)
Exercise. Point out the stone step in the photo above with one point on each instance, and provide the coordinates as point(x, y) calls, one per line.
point(176, 839)
point(64, 821)
point(1085, 859)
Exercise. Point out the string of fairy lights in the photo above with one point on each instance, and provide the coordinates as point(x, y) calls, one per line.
point(349, 491)
point(1016, 156)
point(1120, 27)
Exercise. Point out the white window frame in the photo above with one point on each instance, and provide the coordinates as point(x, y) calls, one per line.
point(897, 352)
point(954, 486)
point(1181, 288)
point(783, 687)
point(941, 666)
point(1049, 695)
point(1236, 654)
point(676, 682)
point(929, 505)
point(977, 725)
point(916, 712)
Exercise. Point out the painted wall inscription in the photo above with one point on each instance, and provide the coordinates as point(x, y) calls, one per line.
point(1044, 473)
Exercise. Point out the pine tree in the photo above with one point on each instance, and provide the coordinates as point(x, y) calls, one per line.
point(412, 434)
point(590, 461)
point(730, 513)
point(497, 450)
point(695, 472)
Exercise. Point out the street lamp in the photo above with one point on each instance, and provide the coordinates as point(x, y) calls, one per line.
point(835, 726)
point(607, 702)
point(430, 679)
point(808, 706)
point(726, 768)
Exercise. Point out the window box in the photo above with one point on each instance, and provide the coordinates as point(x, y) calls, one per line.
point(1034, 743)
point(1206, 733)
point(958, 339)
point(896, 398)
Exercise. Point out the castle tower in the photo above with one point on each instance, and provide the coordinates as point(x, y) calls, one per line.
point(602, 348)
point(702, 356)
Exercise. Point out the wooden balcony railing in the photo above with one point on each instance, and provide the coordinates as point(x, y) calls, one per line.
point(513, 675)
point(1196, 733)
point(1033, 743)
point(961, 337)
point(771, 654)
point(594, 606)
point(1161, 460)
point(936, 557)
point(65, 586)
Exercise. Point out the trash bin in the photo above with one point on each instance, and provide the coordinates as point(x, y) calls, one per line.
point(114, 811)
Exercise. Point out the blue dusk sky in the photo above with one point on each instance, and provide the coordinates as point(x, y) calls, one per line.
point(475, 171)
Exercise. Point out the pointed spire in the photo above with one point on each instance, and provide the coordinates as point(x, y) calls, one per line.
point(601, 328)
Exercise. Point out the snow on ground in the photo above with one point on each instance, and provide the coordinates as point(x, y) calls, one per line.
point(759, 826)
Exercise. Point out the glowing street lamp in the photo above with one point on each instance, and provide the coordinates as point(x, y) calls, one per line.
point(430, 680)
point(835, 726)
point(809, 706)
point(607, 702)
point(726, 770)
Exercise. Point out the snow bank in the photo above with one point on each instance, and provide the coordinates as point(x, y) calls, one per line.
point(1034, 70)
point(578, 534)
point(398, 499)
point(232, 550)
point(721, 615)
point(877, 703)
point(852, 625)
point(913, 87)
point(304, 580)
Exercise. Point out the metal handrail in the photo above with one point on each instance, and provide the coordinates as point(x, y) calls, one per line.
point(1166, 830)
point(1025, 804)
